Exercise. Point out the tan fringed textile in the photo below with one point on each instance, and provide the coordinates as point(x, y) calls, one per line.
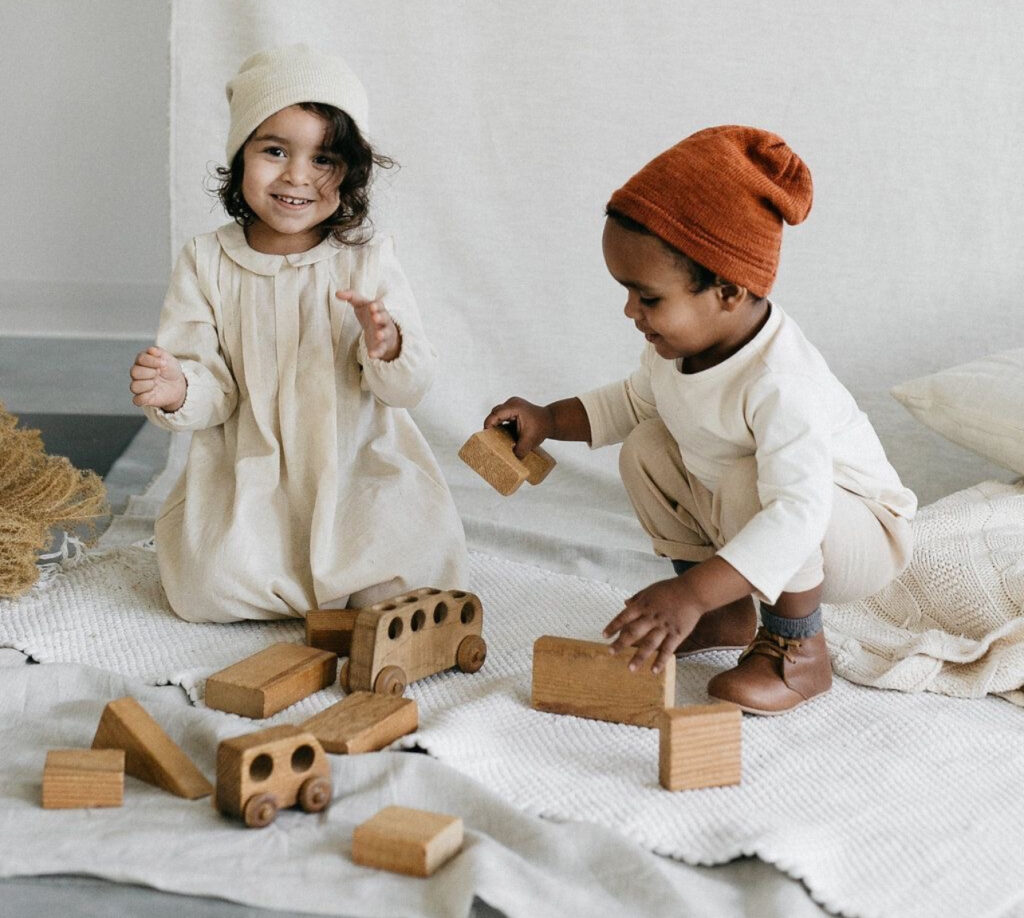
point(37, 493)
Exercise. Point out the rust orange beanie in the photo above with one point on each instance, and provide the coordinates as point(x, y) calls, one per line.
point(720, 197)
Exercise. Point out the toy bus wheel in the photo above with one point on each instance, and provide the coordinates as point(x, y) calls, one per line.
point(260, 810)
point(390, 681)
point(343, 678)
point(471, 653)
point(314, 794)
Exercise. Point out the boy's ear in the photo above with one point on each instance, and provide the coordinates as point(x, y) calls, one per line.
point(729, 294)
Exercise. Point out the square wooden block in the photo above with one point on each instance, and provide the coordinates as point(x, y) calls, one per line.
point(700, 746)
point(586, 679)
point(331, 629)
point(363, 722)
point(74, 778)
point(403, 840)
point(271, 680)
point(489, 453)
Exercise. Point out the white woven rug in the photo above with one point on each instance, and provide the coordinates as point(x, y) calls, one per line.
point(882, 803)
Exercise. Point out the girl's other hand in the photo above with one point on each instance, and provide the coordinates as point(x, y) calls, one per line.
point(383, 340)
point(157, 380)
point(531, 424)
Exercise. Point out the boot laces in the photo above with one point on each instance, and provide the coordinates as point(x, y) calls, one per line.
point(771, 645)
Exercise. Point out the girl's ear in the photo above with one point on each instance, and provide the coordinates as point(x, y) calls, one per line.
point(729, 294)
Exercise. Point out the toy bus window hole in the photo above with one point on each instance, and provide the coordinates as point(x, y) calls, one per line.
point(432, 592)
point(302, 758)
point(418, 619)
point(261, 767)
point(389, 607)
point(409, 599)
point(440, 613)
point(468, 613)
point(394, 628)
point(458, 594)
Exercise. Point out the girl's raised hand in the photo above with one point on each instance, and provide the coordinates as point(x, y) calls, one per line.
point(532, 424)
point(383, 340)
point(157, 380)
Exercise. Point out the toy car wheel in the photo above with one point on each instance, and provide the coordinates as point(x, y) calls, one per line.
point(390, 681)
point(260, 810)
point(471, 653)
point(315, 794)
point(343, 678)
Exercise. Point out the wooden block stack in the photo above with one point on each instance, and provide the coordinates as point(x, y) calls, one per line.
point(413, 842)
point(586, 679)
point(700, 746)
point(271, 680)
point(490, 453)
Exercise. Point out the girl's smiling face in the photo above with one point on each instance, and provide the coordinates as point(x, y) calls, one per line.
point(701, 328)
point(289, 181)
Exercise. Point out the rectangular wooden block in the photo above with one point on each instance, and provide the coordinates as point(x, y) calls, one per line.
point(75, 778)
point(150, 754)
point(700, 746)
point(414, 842)
point(363, 722)
point(489, 454)
point(539, 464)
point(331, 629)
point(271, 680)
point(584, 678)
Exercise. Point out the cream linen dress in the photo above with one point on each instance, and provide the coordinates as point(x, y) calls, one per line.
point(307, 483)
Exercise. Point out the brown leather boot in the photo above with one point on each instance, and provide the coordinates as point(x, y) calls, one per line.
point(775, 674)
point(731, 627)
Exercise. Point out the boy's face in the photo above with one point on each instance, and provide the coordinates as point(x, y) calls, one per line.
point(289, 181)
point(702, 328)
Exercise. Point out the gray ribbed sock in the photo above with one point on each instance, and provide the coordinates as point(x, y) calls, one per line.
point(797, 628)
point(681, 567)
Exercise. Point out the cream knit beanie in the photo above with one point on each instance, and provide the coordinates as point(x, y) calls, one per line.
point(272, 80)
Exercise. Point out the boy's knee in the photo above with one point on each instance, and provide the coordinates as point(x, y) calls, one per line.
point(643, 443)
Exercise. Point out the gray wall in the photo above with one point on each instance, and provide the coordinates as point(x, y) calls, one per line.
point(83, 109)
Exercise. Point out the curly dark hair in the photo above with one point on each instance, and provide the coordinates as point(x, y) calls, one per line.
point(703, 278)
point(350, 223)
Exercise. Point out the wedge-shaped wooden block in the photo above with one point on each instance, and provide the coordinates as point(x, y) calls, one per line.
point(363, 722)
point(490, 453)
point(271, 680)
point(331, 629)
point(74, 778)
point(414, 842)
point(584, 678)
point(150, 754)
point(700, 746)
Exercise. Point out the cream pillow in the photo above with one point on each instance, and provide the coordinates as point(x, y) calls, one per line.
point(979, 405)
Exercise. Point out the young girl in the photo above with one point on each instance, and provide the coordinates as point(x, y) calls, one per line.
point(292, 347)
point(747, 462)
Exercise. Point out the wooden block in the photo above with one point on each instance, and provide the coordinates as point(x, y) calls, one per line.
point(150, 754)
point(363, 722)
point(271, 680)
point(75, 778)
point(584, 678)
point(331, 629)
point(489, 454)
point(539, 464)
point(413, 842)
point(262, 772)
point(414, 635)
point(700, 746)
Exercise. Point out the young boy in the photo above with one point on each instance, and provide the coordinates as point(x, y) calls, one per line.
point(747, 462)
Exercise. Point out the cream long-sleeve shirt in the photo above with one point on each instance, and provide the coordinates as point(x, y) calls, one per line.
point(307, 481)
point(774, 399)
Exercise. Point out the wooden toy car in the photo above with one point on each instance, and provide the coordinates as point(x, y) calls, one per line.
point(412, 636)
point(259, 773)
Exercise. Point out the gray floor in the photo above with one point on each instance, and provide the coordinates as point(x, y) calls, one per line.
point(43, 380)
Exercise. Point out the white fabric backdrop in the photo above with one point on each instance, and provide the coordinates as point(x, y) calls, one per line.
point(513, 123)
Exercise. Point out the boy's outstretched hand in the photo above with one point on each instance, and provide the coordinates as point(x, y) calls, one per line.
point(655, 621)
point(157, 380)
point(383, 339)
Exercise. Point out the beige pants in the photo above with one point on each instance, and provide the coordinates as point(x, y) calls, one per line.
point(866, 545)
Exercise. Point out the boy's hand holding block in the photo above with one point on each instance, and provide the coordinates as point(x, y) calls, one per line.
point(586, 679)
point(700, 746)
point(490, 454)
